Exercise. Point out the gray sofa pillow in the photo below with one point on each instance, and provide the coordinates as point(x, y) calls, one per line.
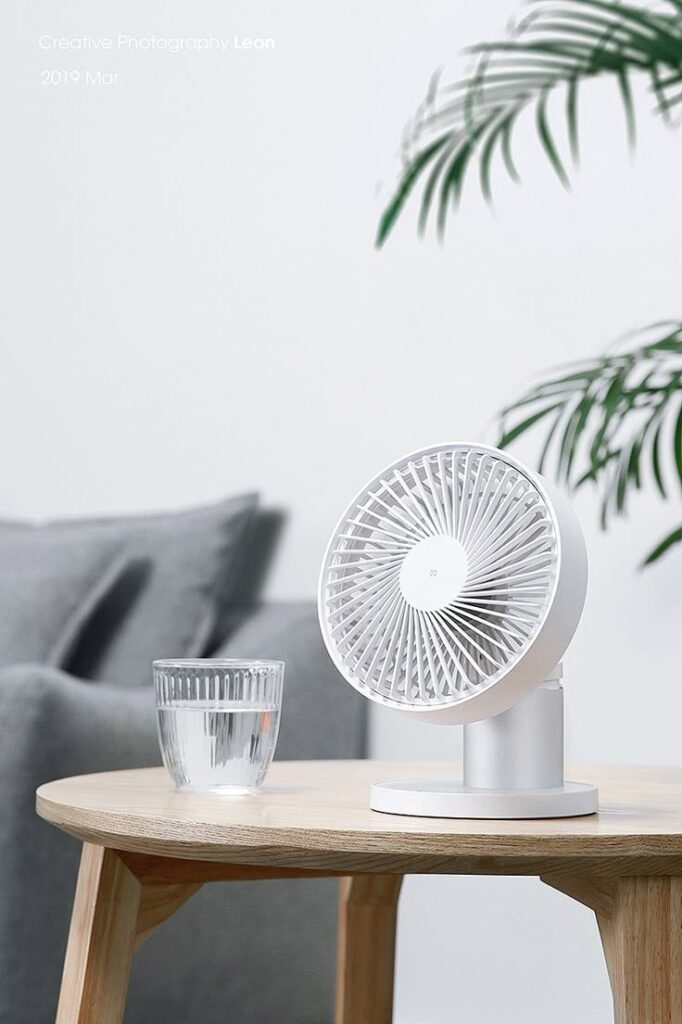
point(50, 587)
point(165, 605)
point(321, 715)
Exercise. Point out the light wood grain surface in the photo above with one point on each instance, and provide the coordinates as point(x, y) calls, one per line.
point(365, 963)
point(148, 848)
point(101, 938)
point(640, 923)
point(317, 815)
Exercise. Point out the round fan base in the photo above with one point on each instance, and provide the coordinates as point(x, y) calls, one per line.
point(448, 798)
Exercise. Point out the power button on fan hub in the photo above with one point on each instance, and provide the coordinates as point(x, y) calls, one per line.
point(433, 573)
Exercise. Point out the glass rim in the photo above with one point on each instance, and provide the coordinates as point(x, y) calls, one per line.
point(216, 663)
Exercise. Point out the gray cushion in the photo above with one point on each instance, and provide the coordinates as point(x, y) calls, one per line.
point(164, 605)
point(321, 714)
point(50, 586)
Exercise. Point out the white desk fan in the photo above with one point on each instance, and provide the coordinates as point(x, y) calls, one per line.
point(450, 590)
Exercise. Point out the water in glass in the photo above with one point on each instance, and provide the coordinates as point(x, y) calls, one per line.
point(210, 748)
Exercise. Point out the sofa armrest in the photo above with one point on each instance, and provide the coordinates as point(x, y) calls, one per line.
point(52, 726)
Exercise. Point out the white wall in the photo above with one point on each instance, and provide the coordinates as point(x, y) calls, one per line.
point(192, 305)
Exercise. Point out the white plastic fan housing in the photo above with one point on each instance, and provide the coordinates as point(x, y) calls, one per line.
point(452, 584)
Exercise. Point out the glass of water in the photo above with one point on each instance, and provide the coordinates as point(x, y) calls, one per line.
point(218, 722)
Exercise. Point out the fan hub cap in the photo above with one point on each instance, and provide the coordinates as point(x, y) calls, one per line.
point(433, 573)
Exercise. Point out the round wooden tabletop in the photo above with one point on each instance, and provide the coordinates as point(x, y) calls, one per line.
point(316, 814)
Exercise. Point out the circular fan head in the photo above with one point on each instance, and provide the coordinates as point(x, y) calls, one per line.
point(452, 584)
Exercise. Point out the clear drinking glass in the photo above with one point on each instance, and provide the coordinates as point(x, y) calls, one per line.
point(218, 722)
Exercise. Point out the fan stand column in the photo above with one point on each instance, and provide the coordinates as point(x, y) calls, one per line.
point(640, 923)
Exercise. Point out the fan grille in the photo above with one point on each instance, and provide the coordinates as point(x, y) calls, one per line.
point(438, 577)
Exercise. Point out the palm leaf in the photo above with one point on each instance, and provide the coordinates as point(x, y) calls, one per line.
point(664, 546)
point(520, 428)
point(610, 418)
point(555, 46)
point(416, 168)
point(572, 117)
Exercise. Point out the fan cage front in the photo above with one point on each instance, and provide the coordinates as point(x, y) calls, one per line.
point(414, 658)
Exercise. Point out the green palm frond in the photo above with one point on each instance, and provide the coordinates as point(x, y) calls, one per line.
point(614, 423)
point(555, 46)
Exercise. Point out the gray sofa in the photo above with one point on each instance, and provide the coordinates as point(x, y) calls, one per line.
point(237, 953)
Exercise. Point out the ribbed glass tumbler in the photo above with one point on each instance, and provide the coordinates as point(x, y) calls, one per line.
point(218, 722)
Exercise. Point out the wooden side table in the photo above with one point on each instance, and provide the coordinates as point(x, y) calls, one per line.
point(147, 849)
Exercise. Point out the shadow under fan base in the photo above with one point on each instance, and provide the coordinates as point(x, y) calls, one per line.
point(449, 798)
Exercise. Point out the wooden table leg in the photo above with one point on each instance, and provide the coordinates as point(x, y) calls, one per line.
point(640, 923)
point(366, 952)
point(101, 937)
point(112, 913)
